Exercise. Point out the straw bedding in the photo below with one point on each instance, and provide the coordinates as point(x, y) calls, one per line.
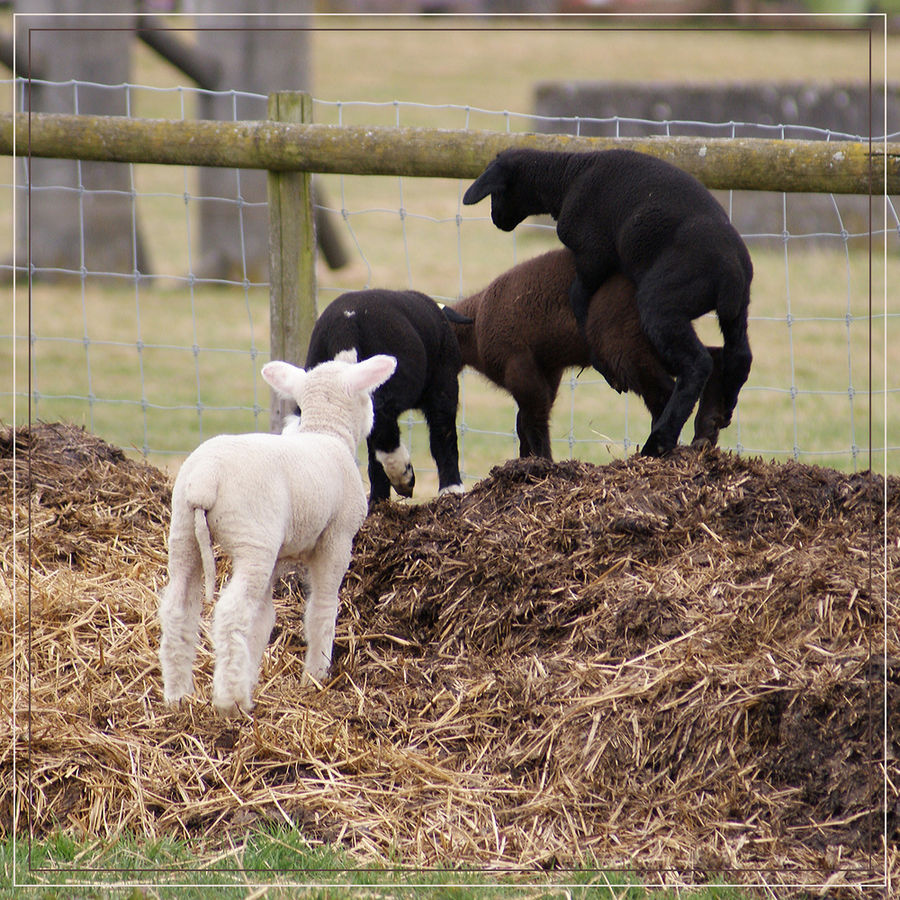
point(671, 664)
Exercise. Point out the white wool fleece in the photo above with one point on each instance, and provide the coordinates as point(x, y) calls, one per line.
point(266, 499)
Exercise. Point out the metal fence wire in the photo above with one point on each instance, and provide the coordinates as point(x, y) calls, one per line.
point(161, 347)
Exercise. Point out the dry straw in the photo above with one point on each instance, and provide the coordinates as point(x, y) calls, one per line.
point(657, 665)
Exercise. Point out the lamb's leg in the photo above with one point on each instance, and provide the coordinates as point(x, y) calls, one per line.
point(534, 439)
point(736, 361)
point(711, 414)
point(439, 409)
point(326, 571)
point(595, 260)
point(241, 625)
point(261, 631)
point(179, 612)
point(379, 483)
point(391, 456)
point(591, 270)
point(674, 338)
point(679, 287)
point(580, 295)
point(534, 392)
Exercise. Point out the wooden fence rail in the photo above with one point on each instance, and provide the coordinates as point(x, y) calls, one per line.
point(291, 148)
point(832, 167)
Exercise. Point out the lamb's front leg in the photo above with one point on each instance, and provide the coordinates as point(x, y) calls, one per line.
point(593, 266)
point(580, 300)
point(580, 296)
point(326, 571)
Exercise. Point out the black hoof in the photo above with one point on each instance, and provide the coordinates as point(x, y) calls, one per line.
point(706, 437)
point(654, 447)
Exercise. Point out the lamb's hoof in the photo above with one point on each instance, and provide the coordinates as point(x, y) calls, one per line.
point(310, 680)
point(232, 709)
point(175, 697)
point(398, 469)
point(654, 447)
point(178, 686)
point(709, 438)
point(599, 366)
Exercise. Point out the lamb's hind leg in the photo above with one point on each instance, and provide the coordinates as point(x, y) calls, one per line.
point(736, 361)
point(711, 413)
point(387, 453)
point(674, 338)
point(242, 623)
point(534, 392)
point(439, 409)
point(181, 604)
point(326, 571)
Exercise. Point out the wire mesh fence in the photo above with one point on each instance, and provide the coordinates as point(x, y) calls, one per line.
point(161, 347)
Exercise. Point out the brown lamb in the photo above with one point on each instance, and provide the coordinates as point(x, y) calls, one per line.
point(524, 337)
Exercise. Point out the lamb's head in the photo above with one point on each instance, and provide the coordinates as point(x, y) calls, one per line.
point(334, 397)
point(511, 197)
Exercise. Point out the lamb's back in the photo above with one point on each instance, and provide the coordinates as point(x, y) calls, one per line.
point(527, 307)
point(407, 325)
point(265, 490)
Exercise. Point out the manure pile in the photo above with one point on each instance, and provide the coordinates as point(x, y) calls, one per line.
point(655, 665)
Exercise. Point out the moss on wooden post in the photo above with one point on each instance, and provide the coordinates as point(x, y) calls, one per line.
point(292, 254)
point(831, 167)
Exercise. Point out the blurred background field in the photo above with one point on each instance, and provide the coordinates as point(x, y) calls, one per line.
point(810, 308)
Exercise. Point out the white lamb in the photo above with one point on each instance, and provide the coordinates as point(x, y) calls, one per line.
point(269, 501)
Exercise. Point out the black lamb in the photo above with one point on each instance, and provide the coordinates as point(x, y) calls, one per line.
point(623, 211)
point(411, 327)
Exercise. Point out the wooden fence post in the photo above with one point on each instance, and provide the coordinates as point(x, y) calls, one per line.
point(292, 254)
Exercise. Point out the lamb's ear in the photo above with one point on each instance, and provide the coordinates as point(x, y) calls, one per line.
point(370, 373)
point(346, 355)
point(494, 178)
point(285, 379)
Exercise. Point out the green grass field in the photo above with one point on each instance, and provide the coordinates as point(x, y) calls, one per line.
point(279, 863)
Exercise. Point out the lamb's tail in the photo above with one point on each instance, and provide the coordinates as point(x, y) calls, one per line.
point(204, 542)
point(457, 318)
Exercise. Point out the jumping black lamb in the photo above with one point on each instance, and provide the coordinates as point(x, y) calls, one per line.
point(623, 211)
point(409, 326)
